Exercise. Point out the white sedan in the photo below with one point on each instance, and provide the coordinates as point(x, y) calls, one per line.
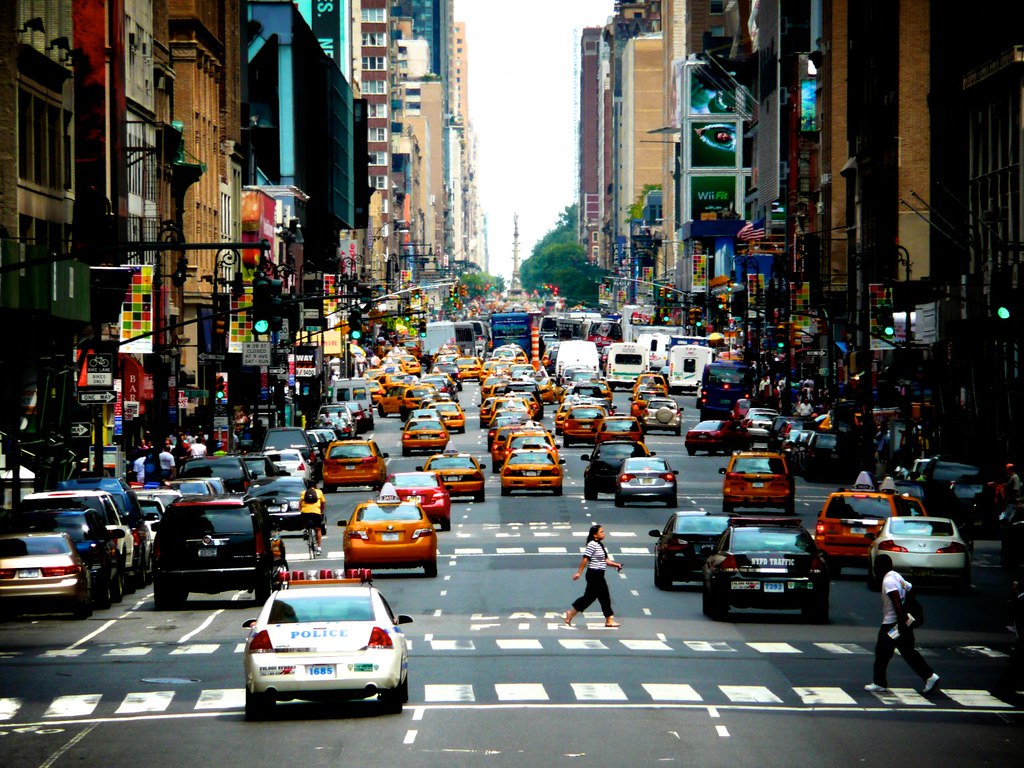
point(922, 549)
point(340, 640)
point(292, 462)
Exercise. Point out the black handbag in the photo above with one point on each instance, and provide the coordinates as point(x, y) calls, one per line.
point(913, 606)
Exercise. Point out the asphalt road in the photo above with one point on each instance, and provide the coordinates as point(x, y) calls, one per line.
point(494, 677)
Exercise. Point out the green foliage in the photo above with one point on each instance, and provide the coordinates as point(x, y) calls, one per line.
point(636, 210)
point(480, 284)
point(558, 259)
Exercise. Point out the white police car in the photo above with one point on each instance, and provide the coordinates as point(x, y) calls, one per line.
point(322, 640)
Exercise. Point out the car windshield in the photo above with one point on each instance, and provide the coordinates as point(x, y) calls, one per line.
point(288, 439)
point(34, 545)
point(355, 451)
point(656, 404)
point(619, 425)
point(825, 441)
point(528, 442)
point(415, 480)
point(445, 407)
point(375, 513)
point(586, 413)
point(453, 462)
point(466, 361)
point(291, 608)
point(644, 464)
point(192, 486)
point(420, 392)
point(708, 426)
point(196, 521)
point(707, 524)
point(762, 540)
point(921, 526)
point(619, 451)
point(72, 523)
point(423, 424)
point(859, 506)
point(277, 485)
point(759, 465)
point(531, 457)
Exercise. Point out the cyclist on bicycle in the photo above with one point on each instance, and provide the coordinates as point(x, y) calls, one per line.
point(313, 508)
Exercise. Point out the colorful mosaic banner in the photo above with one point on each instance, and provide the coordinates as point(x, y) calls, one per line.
point(241, 322)
point(137, 311)
point(331, 302)
point(800, 311)
point(700, 272)
point(755, 290)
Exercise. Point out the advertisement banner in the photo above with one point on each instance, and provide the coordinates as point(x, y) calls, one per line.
point(711, 194)
point(331, 315)
point(137, 311)
point(700, 271)
point(708, 97)
point(800, 310)
point(713, 145)
point(241, 323)
point(259, 214)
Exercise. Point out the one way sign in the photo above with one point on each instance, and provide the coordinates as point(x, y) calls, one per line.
point(80, 429)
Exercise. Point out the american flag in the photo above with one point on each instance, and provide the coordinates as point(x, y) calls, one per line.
point(751, 230)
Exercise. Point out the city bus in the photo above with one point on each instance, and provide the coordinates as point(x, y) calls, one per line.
point(722, 385)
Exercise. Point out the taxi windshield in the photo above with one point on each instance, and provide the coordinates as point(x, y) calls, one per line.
point(358, 451)
point(420, 391)
point(291, 608)
point(422, 424)
point(759, 465)
point(466, 361)
point(531, 457)
point(585, 413)
point(445, 407)
point(619, 425)
point(455, 462)
point(375, 513)
point(859, 506)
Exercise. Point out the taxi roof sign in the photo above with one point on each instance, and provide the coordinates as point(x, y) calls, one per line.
point(388, 494)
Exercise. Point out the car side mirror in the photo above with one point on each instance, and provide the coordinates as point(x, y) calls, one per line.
point(342, 523)
point(561, 461)
point(585, 457)
point(115, 534)
point(721, 470)
point(655, 533)
point(654, 453)
point(248, 623)
point(419, 469)
point(675, 472)
point(385, 455)
point(403, 618)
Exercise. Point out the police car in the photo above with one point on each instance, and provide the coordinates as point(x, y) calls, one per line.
point(325, 638)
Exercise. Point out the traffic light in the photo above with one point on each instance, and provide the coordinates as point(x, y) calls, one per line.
point(423, 328)
point(220, 391)
point(886, 324)
point(355, 323)
point(781, 336)
point(1002, 299)
point(695, 317)
point(795, 336)
point(267, 306)
point(453, 291)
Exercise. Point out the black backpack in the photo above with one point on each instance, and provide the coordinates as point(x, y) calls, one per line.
point(310, 496)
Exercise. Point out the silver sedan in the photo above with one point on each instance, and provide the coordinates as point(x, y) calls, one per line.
point(646, 478)
point(923, 549)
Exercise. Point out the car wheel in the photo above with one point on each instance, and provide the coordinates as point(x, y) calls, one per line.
point(495, 468)
point(558, 431)
point(446, 524)
point(167, 598)
point(619, 501)
point(140, 576)
point(659, 579)
point(396, 698)
point(330, 488)
point(589, 493)
point(102, 596)
point(117, 587)
point(403, 414)
point(679, 432)
point(258, 706)
point(816, 611)
point(405, 452)
point(264, 586)
point(712, 608)
point(692, 451)
point(83, 609)
point(128, 583)
point(430, 569)
point(672, 501)
point(963, 585)
point(479, 496)
point(727, 508)
point(380, 412)
point(558, 491)
point(791, 507)
point(505, 491)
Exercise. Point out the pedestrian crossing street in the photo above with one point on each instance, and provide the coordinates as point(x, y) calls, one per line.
point(139, 703)
point(562, 640)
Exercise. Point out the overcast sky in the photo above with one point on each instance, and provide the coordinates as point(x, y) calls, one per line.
point(522, 107)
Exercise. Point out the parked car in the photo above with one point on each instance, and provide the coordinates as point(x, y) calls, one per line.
point(646, 478)
point(47, 573)
point(210, 545)
point(683, 545)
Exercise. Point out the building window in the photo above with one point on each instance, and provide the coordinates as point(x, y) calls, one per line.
point(412, 91)
point(717, 30)
point(374, 63)
point(378, 158)
point(375, 15)
point(380, 182)
point(378, 134)
point(375, 87)
point(378, 110)
point(718, 6)
point(379, 39)
point(41, 142)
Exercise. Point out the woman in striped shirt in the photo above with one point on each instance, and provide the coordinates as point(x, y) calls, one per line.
point(595, 562)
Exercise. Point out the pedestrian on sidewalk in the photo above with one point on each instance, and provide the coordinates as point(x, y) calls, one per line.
point(595, 562)
point(897, 631)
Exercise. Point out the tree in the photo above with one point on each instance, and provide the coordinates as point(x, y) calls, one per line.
point(479, 284)
point(557, 259)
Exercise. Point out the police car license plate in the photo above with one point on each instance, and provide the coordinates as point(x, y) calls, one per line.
point(320, 671)
point(29, 573)
point(771, 586)
point(207, 552)
point(389, 537)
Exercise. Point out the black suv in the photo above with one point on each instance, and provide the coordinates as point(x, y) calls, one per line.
point(231, 469)
point(210, 544)
point(604, 465)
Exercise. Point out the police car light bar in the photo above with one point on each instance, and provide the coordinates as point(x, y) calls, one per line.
point(324, 577)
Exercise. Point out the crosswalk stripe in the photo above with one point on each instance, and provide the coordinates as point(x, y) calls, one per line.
point(520, 644)
point(908, 697)
point(671, 692)
point(452, 645)
point(511, 551)
point(773, 648)
point(974, 698)
point(646, 645)
point(582, 644)
point(77, 705)
point(146, 701)
point(749, 694)
point(131, 650)
point(221, 698)
point(9, 708)
point(437, 693)
point(57, 653)
point(199, 648)
point(521, 692)
point(598, 692)
point(842, 648)
point(826, 695)
point(711, 646)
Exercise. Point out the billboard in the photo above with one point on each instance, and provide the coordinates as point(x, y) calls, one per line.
point(708, 97)
point(712, 145)
point(712, 194)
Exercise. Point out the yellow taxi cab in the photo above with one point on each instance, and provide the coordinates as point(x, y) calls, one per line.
point(375, 389)
point(412, 347)
point(353, 462)
point(518, 370)
point(410, 365)
point(531, 437)
point(758, 479)
point(499, 443)
point(640, 399)
point(469, 368)
point(560, 416)
point(460, 473)
point(650, 381)
point(491, 385)
point(581, 423)
point(532, 470)
point(402, 398)
point(495, 367)
point(390, 533)
point(851, 518)
point(511, 406)
point(487, 407)
point(619, 428)
point(424, 435)
point(373, 373)
point(534, 405)
point(546, 387)
point(393, 379)
point(452, 415)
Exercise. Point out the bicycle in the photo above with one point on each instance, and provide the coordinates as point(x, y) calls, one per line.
point(309, 535)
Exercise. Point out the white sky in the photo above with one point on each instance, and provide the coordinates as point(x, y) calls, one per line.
point(522, 107)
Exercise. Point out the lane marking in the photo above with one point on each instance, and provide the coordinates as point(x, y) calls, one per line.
point(974, 698)
point(722, 731)
point(209, 620)
point(73, 706)
point(824, 695)
point(773, 648)
point(749, 694)
point(221, 698)
point(521, 692)
point(713, 713)
point(598, 692)
point(437, 693)
point(9, 708)
point(520, 644)
point(671, 692)
point(70, 743)
point(417, 713)
point(93, 634)
point(146, 701)
point(410, 737)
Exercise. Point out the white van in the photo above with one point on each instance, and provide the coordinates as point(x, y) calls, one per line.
point(626, 361)
point(657, 346)
point(351, 391)
point(438, 334)
point(686, 363)
point(580, 354)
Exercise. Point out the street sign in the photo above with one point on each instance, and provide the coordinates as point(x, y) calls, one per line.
point(256, 353)
point(208, 358)
point(277, 371)
point(96, 398)
point(80, 429)
point(131, 409)
point(99, 370)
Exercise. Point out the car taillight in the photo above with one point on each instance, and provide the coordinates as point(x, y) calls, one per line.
point(8, 573)
point(422, 532)
point(667, 476)
point(819, 528)
point(358, 535)
point(733, 476)
point(728, 564)
point(891, 546)
point(136, 538)
point(261, 546)
point(302, 467)
point(379, 639)
point(62, 570)
point(367, 460)
point(438, 495)
point(676, 543)
point(625, 478)
point(953, 548)
point(817, 565)
point(260, 643)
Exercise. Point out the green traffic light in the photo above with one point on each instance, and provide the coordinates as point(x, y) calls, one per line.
point(780, 344)
point(1003, 313)
point(356, 335)
point(888, 331)
point(261, 326)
